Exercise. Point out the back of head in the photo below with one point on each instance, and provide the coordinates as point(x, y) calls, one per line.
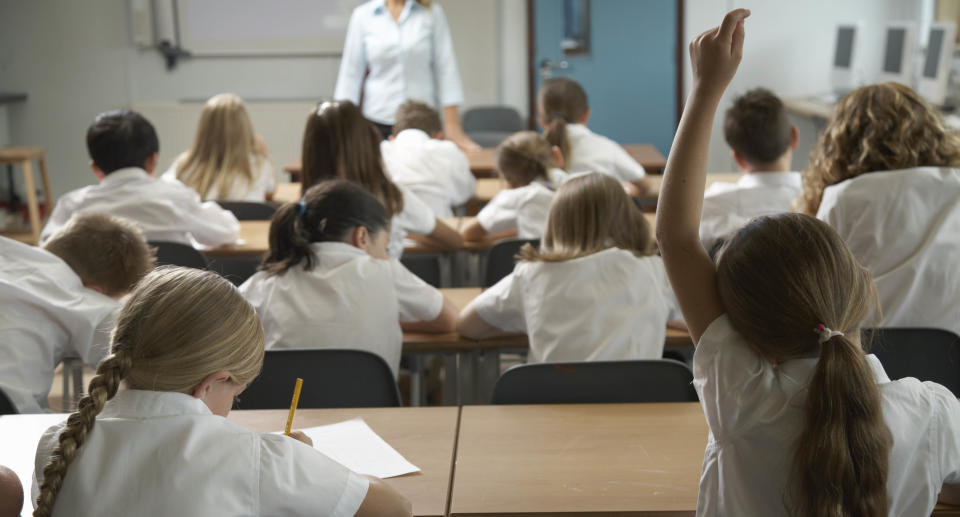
point(327, 212)
point(339, 142)
point(105, 252)
point(591, 213)
point(523, 158)
point(222, 148)
point(11, 493)
point(881, 127)
point(561, 101)
point(757, 127)
point(417, 115)
point(179, 326)
point(119, 139)
point(779, 278)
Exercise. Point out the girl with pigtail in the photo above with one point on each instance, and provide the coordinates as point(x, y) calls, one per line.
point(151, 437)
point(802, 421)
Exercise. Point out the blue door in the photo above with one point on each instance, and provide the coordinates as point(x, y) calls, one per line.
point(629, 70)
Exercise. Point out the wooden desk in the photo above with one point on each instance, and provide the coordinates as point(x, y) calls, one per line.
point(287, 192)
point(425, 436)
point(623, 459)
point(255, 241)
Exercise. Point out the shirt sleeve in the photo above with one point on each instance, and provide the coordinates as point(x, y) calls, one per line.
point(501, 212)
point(208, 223)
point(417, 216)
point(465, 184)
point(502, 305)
point(353, 62)
point(296, 479)
point(416, 299)
point(450, 90)
point(62, 211)
point(947, 429)
point(627, 169)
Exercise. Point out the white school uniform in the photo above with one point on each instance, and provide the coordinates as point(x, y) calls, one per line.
point(416, 217)
point(590, 152)
point(904, 227)
point(610, 305)
point(46, 314)
point(524, 208)
point(756, 411)
point(264, 182)
point(727, 207)
point(437, 171)
point(165, 210)
point(348, 300)
point(165, 453)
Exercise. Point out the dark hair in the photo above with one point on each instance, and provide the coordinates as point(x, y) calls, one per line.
point(339, 143)
point(121, 138)
point(524, 157)
point(417, 115)
point(757, 127)
point(561, 101)
point(328, 212)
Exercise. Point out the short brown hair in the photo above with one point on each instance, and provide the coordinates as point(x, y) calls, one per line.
point(417, 115)
point(108, 252)
point(524, 157)
point(757, 127)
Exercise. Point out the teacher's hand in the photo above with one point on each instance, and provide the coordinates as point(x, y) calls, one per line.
point(463, 141)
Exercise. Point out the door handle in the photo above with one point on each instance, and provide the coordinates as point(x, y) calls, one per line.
point(547, 67)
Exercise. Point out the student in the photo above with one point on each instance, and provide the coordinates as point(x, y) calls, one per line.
point(11, 493)
point(532, 169)
point(339, 143)
point(59, 300)
point(418, 158)
point(327, 281)
point(762, 141)
point(562, 112)
point(801, 421)
point(227, 161)
point(594, 291)
point(123, 149)
point(151, 436)
point(884, 175)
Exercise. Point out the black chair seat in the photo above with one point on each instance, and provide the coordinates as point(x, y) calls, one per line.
point(178, 254)
point(925, 353)
point(501, 259)
point(424, 265)
point(249, 210)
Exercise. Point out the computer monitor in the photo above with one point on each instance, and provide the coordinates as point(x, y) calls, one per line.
point(897, 58)
point(845, 74)
point(935, 73)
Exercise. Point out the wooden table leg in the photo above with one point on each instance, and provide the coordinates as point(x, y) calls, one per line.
point(32, 206)
point(48, 199)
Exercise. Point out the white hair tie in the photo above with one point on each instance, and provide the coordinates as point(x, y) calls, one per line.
point(825, 333)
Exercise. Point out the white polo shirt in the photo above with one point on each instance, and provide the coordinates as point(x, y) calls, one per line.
point(165, 453)
point(348, 300)
point(264, 182)
point(416, 217)
point(756, 411)
point(727, 207)
point(524, 208)
point(606, 306)
point(46, 314)
point(904, 226)
point(590, 152)
point(165, 210)
point(436, 171)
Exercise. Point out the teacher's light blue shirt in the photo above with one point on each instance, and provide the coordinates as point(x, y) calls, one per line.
point(409, 59)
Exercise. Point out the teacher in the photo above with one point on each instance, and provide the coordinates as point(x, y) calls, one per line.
point(399, 50)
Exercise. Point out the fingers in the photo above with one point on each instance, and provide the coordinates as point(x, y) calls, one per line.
point(736, 45)
point(731, 22)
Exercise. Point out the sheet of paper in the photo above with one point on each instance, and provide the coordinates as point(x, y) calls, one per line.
point(19, 435)
point(354, 445)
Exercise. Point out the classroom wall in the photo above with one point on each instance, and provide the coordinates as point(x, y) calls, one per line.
point(76, 59)
point(789, 48)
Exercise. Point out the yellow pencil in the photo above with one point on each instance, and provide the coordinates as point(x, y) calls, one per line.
point(293, 405)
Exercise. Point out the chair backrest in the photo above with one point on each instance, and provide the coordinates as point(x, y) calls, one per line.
point(593, 382)
point(492, 118)
point(925, 353)
point(177, 254)
point(501, 259)
point(424, 265)
point(332, 378)
point(7, 406)
point(236, 269)
point(249, 210)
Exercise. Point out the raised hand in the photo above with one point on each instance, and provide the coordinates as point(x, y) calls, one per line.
point(715, 54)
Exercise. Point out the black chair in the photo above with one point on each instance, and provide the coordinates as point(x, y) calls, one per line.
point(501, 259)
point(424, 265)
point(332, 378)
point(925, 353)
point(490, 125)
point(177, 254)
point(235, 269)
point(249, 210)
point(596, 382)
point(6, 405)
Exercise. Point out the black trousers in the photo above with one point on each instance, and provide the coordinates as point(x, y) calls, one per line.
point(385, 130)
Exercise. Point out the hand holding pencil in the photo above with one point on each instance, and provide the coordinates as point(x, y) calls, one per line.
point(297, 435)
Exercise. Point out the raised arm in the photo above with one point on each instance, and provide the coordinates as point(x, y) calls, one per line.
point(714, 56)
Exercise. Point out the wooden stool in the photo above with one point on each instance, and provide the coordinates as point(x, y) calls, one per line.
point(25, 156)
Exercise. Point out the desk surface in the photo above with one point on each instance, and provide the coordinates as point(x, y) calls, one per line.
point(425, 436)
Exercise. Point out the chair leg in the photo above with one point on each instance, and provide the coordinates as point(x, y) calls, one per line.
point(48, 198)
point(32, 206)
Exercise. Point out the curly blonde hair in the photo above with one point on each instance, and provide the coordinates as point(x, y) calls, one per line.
point(881, 127)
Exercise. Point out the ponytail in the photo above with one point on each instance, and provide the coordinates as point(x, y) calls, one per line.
point(556, 134)
point(561, 101)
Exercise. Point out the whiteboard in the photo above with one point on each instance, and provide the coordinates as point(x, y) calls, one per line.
point(259, 27)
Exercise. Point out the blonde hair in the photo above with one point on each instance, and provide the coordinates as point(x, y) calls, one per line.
point(524, 157)
point(561, 101)
point(591, 213)
point(179, 326)
point(882, 127)
point(778, 278)
point(104, 251)
point(222, 149)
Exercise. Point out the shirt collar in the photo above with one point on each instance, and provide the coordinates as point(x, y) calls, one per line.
point(770, 179)
point(146, 404)
point(381, 8)
point(578, 129)
point(336, 248)
point(124, 175)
